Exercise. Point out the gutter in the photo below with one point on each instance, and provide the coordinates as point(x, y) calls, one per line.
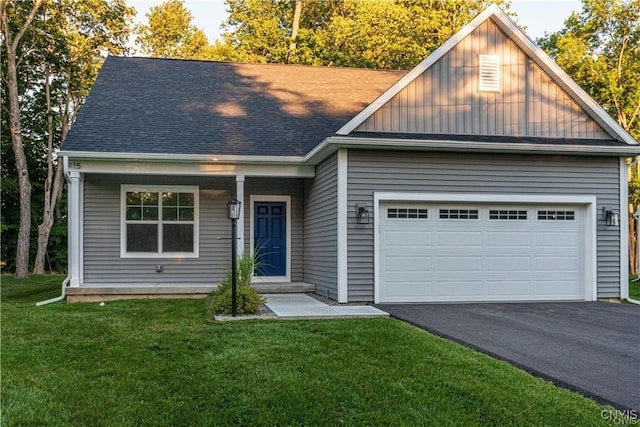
point(56, 299)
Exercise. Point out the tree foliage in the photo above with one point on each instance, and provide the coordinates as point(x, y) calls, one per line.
point(351, 33)
point(169, 33)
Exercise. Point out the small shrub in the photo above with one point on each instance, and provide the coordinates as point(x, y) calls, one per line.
point(247, 298)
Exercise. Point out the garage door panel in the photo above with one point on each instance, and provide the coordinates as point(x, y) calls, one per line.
point(557, 288)
point(519, 253)
point(456, 289)
point(512, 264)
point(408, 290)
point(558, 239)
point(408, 264)
point(467, 239)
point(508, 289)
point(557, 264)
point(459, 264)
point(508, 239)
point(406, 238)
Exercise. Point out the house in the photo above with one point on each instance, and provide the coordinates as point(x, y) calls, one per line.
point(483, 174)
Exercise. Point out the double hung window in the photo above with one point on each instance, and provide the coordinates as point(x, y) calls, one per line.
point(159, 222)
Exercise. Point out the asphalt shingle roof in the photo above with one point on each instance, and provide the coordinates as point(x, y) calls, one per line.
point(145, 105)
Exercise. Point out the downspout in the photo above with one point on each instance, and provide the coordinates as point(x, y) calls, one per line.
point(65, 282)
point(56, 299)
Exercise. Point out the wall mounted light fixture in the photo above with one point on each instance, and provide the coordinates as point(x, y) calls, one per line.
point(362, 215)
point(611, 218)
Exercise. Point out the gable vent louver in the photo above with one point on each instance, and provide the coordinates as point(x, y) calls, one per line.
point(489, 73)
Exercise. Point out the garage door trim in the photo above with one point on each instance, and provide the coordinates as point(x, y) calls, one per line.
point(586, 201)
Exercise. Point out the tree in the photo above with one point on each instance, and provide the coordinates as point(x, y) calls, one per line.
point(12, 33)
point(60, 52)
point(169, 33)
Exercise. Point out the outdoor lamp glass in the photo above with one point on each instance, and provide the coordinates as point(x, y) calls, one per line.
point(233, 208)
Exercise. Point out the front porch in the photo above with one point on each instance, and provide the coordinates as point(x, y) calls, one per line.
point(100, 293)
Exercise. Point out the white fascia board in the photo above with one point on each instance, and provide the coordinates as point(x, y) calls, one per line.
point(187, 158)
point(487, 147)
point(192, 168)
point(417, 71)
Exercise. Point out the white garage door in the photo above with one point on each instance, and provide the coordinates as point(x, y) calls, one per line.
point(440, 253)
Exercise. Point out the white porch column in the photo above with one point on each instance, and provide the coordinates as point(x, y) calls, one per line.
point(74, 224)
point(240, 196)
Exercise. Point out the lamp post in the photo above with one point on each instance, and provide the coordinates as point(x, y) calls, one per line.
point(233, 212)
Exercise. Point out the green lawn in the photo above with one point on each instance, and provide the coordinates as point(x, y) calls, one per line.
point(634, 290)
point(164, 362)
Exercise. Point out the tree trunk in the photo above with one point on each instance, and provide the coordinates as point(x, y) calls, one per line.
point(294, 26)
point(24, 231)
point(52, 186)
point(11, 42)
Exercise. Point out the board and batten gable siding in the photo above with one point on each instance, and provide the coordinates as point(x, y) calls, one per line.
point(321, 228)
point(101, 234)
point(377, 171)
point(293, 187)
point(445, 98)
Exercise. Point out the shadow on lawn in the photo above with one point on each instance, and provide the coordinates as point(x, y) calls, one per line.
point(30, 290)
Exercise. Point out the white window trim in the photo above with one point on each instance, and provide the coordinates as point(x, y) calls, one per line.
point(271, 198)
point(590, 221)
point(124, 188)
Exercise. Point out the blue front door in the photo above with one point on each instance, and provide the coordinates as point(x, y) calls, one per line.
point(270, 238)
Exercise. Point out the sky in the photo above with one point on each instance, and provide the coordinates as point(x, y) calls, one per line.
point(539, 16)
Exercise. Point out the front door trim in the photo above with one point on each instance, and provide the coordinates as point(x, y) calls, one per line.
point(271, 198)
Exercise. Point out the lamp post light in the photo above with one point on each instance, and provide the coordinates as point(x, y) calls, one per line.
point(233, 212)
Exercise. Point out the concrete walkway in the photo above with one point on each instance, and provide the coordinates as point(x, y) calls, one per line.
point(301, 306)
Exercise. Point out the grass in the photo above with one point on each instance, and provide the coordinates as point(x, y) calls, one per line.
point(634, 290)
point(164, 362)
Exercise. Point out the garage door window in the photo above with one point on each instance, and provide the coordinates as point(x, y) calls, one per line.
point(407, 213)
point(556, 215)
point(458, 213)
point(507, 215)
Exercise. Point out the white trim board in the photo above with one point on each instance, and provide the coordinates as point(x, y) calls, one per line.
point(589, 202)
point(271, 198)
point(343, 264)
point(624, 230)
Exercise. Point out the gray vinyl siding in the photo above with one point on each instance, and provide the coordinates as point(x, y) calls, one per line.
point(293, 187)
point(321, 229)
point(371, 171)
point(101, 228)
point(445, 98)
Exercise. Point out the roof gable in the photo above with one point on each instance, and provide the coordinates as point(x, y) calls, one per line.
point(440, 95)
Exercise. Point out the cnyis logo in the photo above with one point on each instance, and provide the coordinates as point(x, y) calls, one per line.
point(626, 417)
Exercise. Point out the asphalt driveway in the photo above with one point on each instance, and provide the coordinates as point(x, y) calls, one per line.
point(589, 347)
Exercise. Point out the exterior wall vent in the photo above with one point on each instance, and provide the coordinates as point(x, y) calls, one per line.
point(489, 80)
